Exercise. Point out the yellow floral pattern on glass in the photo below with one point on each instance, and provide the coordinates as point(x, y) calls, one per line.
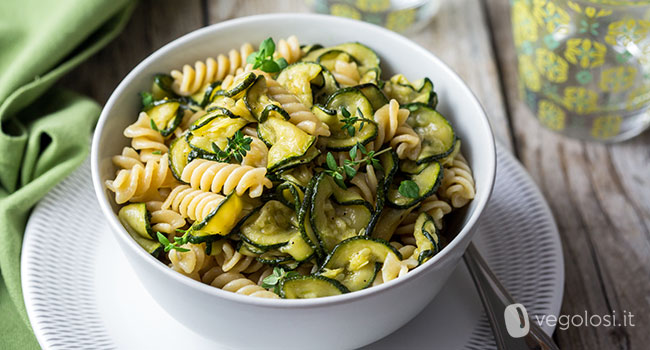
point(617, 79)
point(400, 20)
point(627, 31)
point(551, 115)
point(343, 10)
point(580, 100)
point(373, 6)
point(550, 16)
point(552, 66)
point(586, 53)
point(590, 12)
point(528, 73)
point(606, 127)
point(638, 98)
point(524, 24)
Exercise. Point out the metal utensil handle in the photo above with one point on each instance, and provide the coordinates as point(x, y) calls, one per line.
point(495, 298)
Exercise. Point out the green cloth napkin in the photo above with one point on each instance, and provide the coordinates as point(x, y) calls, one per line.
point(45, 131)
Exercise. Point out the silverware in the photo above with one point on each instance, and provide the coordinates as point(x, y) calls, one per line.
point(495, 299)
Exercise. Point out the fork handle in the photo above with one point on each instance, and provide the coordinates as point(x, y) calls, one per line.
point(495, 298)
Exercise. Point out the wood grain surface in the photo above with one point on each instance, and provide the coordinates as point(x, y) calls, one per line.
point(599, 194)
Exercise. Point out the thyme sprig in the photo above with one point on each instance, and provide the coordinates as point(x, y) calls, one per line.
point(263, 58)
point(237, 147)
point(348, 169)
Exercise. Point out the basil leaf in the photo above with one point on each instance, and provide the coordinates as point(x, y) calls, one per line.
point(408, 188)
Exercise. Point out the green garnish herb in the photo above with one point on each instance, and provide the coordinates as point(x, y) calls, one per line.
point(348, 168)
point(236, 149)
point(156, 152)
point(263, 58)
point(408, 188)
point(274, 280)
point(147, 99)
point(176, 245)
point(153, 125)
point(349, 121)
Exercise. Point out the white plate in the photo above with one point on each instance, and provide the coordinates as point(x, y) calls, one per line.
point(81, 293)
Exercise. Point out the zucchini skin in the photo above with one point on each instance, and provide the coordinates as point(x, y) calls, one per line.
point(336, 284)
point(417, 105)
point(414, 201)
point(303, 220)
point(378, 240)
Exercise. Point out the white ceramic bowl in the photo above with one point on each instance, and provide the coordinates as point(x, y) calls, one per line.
point(346, 321)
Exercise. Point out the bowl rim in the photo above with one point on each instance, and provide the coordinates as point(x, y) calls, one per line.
point(121, 234)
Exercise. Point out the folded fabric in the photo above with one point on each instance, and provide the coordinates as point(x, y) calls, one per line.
point(45, 131)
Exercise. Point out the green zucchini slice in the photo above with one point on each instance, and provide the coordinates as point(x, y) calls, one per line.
point(166, 115)
point(410, 167)
point(325, 88)
point(438, 137)
point(230, 108)
point(271, 226)
point(138, 218)
point(220, 222)
point(179, 152)
point(306, 230)
point(239, 86)
point(287, 142)
point(427, 239)
point(162, 87)
point(290, 194)
point(368, 61)
point(355, 261)
point(206, 94)
point(374, 95)
point(357, 105)
point(135, 219)
point(297, 78)
point(249, 250)
point(427, 180)
point(259, 104)
point(215, 128)
point(273, 257)
point(304, 287)
point(333, 223)
point(388, 221)
point(421, 91)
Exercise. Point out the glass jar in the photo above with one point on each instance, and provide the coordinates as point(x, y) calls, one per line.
point(584, 66)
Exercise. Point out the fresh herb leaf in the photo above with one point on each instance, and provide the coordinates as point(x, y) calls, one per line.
point(353, 152)
point(282, 63)
point(178, 241)
point(331, 162)
point(153, 125)
point(236, 149)
point(349, 166)
point(156, 152)
point(408, 188)
point(263, 58)
point(147, 99)
point(275, 279)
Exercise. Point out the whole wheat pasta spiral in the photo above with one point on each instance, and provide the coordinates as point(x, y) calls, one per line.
point(191, 80)
point(406, 142)
point(164, 220)
point(141, 183)
point(365, 184)
point(289, 49)
point(346, 73)
point(191, 203)
point(145, 139)
point(458, 183)
point(214, 176)
point(235, 282)
point(299, 114)
point(389, 118)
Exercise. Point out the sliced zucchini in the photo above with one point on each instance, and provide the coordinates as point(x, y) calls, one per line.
point(239, 86)
point(162, 87)
point(410, 167)
point(287, 142)
point(324, 88)
point(179, 152)
point(298, 248)
point(306, 230)
point(273, 257)
point(388, 221)
point(135, 219)
point(215, 128)
point(304, 287)
point(270, 227)
point(438, 137)
point(451, 156)
point(220, 222)
point(306, 49)
point(331, 222)
point(249, 250)
point(427, 180)
point(374, 94)
point(297, 78)
point(399, 88)
point(357, 105)
point(426, 238)
point(355, 261)
point(166, 115)
point(231, 108)
point(259, 103)
point(329, 58)
point(368, 61)
point(206, 94)
point(291, 194)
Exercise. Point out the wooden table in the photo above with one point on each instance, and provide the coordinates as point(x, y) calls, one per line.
point(599, 194)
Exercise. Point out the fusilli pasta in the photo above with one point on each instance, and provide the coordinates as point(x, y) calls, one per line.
point(141, 183)
point(235, 282)
point(145, 139)
point(300, 115)
point(164, 220)
point(191, 203)
point(457, 183)
point(217, 177)
point(289, 49)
